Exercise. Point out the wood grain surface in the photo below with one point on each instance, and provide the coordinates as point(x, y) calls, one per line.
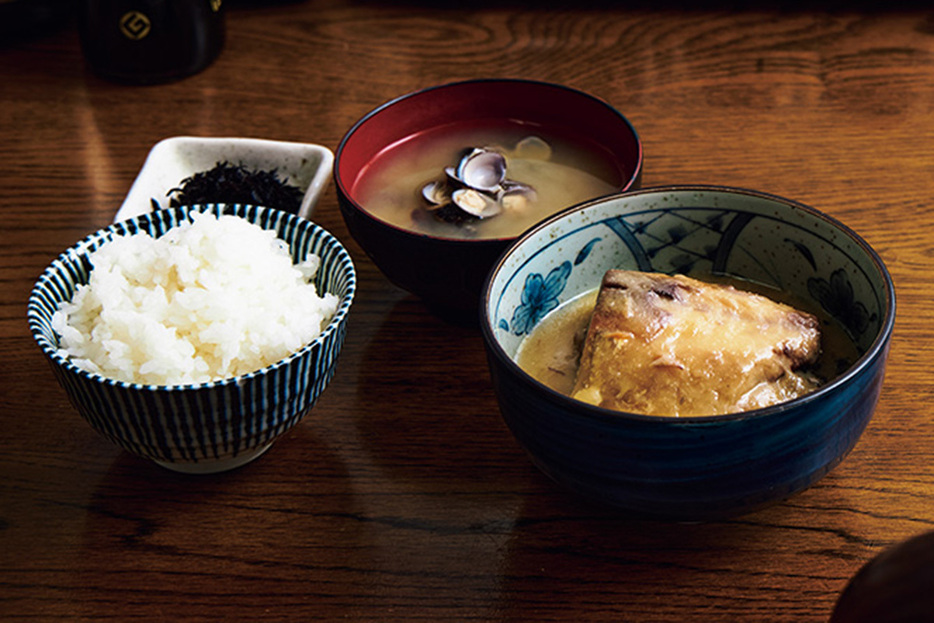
point(402, 496)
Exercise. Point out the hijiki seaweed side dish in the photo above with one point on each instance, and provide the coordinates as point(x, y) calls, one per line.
point(229, 183)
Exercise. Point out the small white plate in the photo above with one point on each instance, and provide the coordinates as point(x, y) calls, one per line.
point(172, 160)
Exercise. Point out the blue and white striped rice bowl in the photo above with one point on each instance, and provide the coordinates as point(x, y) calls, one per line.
point(209, 427)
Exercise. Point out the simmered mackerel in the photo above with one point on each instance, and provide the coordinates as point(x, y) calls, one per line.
point(676, 346)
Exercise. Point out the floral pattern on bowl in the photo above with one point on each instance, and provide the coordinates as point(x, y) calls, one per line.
point(694, 231)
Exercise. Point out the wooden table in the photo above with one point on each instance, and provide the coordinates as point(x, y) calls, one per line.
point(402, 496)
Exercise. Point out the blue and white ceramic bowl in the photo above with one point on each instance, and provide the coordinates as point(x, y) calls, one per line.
point(209, 427)
point(690, 468)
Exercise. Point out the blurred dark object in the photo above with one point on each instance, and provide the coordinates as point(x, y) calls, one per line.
point(21, 19)
point(897, 586)
point(259, 4)
point(150, 41)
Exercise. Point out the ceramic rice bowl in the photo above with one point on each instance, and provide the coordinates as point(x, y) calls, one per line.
point(690, 468)
point(207, 427)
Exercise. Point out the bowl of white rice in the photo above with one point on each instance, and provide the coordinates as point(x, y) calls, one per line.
point(195, 336)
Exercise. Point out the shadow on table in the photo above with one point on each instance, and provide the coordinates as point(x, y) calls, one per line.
point(566, 554)
point(152, 534)
point(427, 411)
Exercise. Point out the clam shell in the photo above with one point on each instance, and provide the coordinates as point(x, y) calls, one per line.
point(516, 196)
point(533, 148)
point(474, 202)
point(482, 169)
point(437, 194)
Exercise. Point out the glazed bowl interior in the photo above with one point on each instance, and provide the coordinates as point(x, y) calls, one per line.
point(205, 427)
point(446, 270)
point(703, 466)
point(548, 109)
point(693, 231)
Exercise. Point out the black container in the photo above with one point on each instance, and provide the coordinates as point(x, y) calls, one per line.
point(150, 41)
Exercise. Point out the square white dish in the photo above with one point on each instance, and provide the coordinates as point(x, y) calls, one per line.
point(174, 159)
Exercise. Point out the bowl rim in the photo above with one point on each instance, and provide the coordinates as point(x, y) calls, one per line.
point(344, 191)
point(878, 346)
point(110, 231)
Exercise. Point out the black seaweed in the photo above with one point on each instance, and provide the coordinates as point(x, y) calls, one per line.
point(450, 213)
point(228, 183)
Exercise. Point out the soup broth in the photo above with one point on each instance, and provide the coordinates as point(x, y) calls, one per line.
point(567, 174)
point(551, 352)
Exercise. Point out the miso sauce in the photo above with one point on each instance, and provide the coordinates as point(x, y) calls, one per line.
point(391, 188)
point(551, 352)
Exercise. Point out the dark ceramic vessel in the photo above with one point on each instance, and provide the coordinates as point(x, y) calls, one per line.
point(894, 587)
point(691, 468)
point(447, 273)
point(208, 427)
point(150, 41)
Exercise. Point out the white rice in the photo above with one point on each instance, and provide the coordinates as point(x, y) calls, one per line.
point(208, 300)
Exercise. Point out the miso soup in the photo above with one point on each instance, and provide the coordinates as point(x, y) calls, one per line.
point(550, 173)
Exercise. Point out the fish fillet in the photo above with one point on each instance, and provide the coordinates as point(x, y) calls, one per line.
point(676, 346)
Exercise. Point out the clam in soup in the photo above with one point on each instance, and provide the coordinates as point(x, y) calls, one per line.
point(482, 182)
